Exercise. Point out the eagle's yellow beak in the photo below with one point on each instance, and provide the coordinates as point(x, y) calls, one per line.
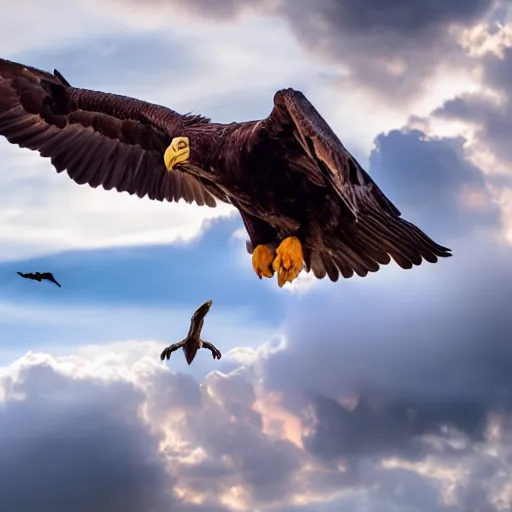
point(177, 152)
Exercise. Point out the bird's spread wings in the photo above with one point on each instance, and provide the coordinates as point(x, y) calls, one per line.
point(378, 230)
point(197, 320)
point(98, 138)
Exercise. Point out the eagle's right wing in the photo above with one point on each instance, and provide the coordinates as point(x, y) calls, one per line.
point(98, 138)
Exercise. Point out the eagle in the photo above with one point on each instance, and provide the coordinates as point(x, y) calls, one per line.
point(193, 342)
point(40, 276)
point(305, 201)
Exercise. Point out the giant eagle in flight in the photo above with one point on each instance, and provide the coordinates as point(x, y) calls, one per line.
point(303, 198)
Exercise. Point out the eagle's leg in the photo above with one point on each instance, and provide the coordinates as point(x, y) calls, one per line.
point(212, 348)
point(289, 260)
point(262, 258)
point(166, 353)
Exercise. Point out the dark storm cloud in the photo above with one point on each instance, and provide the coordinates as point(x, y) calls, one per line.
point(377, 37)
point(413, 19)
point(431, 181)
point(78, 444)
point(423, 350)
point(390, 46)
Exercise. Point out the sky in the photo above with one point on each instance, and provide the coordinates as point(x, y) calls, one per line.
point(391, 392)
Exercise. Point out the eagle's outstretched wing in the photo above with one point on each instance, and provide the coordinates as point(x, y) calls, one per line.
point(98, 138)
point(197, 320)
point(364, 228)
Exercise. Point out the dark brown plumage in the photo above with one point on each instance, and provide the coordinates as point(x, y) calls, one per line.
point(39, 276)
point(193, 342)
point(302, 196)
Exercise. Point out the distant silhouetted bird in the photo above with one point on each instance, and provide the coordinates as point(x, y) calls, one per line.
point(192, 343)
point(38, 276)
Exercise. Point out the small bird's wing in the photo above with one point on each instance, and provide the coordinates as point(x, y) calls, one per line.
point(214, 350)
point(49, 277)
point(166, 353)
point(98, 138)
point(197, 320)
point(28, 275)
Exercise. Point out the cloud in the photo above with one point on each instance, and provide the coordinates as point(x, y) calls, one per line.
point(153, 438)
point(44, 212)
point(84, 433)
point(122, 439)
point(77, 22)
point(420, 345)
point(433, 181)
point(389, 47)
point(414, 369)
point(490, 114)
point(487, 117)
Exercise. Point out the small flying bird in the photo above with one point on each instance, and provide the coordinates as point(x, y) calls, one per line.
point(192, 343)
point(38, 276)
point(304, 200)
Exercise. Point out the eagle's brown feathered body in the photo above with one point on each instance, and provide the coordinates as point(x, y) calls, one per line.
point(288, 175)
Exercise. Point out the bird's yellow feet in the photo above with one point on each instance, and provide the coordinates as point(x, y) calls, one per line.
point(262, 258)
point(289, 260)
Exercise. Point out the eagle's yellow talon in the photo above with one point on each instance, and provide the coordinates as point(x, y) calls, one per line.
point(262, 259)
point(289, 260)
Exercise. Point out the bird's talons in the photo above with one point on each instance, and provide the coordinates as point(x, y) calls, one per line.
point(212, 348)
point(166, 353)
point(262, 259)
point(289, 260)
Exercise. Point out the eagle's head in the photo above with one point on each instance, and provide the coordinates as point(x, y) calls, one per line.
point(177, 152)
